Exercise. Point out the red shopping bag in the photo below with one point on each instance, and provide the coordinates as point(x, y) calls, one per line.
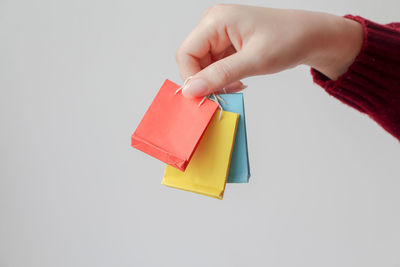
point(172, 126)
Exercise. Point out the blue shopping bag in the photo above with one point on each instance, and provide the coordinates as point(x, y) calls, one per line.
point(239, 171)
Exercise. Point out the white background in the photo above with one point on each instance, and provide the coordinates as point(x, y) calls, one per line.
point(75, 79)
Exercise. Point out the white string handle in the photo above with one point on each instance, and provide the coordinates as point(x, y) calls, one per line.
point(215, 99)
point(184, 84)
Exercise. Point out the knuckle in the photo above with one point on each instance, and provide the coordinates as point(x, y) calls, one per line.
point(268, 63)
point(178, 54)
point(217, 7)
point(259, 63)
point(214, 12)
point(222, 71)
point(206, 12)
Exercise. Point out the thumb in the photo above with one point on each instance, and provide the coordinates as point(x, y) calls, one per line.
point(218, 75)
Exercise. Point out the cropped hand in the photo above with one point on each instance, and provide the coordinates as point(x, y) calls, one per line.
point(233, 42)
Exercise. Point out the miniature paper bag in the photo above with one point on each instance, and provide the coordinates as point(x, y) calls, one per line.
point(239, 171)
point(207, 171)
point(173, 126)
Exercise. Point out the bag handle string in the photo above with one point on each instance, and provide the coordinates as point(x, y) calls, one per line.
point(216, 98)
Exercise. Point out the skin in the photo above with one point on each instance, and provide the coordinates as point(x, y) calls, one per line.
point(233, 42)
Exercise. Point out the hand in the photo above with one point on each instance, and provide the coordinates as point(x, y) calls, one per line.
point(233, 42)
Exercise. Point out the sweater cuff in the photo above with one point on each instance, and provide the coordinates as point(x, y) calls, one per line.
point(371, 84)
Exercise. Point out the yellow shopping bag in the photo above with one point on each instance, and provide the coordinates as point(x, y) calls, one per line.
point(208, 169)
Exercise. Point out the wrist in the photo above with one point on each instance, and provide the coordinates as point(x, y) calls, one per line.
point(336, 43)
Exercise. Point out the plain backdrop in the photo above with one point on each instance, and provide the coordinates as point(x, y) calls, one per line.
point(76, 78)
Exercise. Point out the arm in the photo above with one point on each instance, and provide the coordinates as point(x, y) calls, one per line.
point(371, 84)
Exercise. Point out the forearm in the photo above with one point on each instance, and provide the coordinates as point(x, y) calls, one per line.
point(371, 84)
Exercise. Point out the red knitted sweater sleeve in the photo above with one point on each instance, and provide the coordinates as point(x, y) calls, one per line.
point(372, 83)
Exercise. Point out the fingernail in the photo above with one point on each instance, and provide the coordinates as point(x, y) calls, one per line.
point(243, 87)
point(195, 87)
